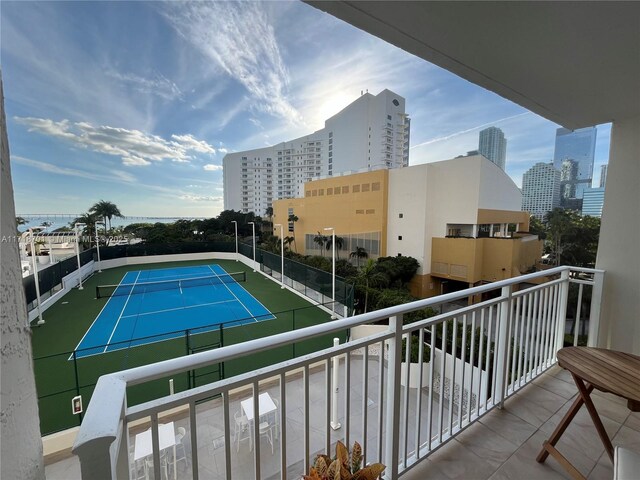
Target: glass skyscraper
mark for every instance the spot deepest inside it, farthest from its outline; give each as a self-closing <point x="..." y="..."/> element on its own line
<point x="493" y="145"/>
<point x="579" y="146"/>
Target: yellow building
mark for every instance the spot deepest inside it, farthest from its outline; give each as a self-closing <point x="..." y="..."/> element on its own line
<point x="459" y="218"/>
<point x="355" y="205"/>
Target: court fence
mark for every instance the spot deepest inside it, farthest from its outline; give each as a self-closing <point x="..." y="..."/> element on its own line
<point x="62" y="376"/>
<point x="311" y="282"/>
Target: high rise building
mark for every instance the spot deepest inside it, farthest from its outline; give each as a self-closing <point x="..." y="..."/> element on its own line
<point x="578" y="145"/>
<point x="603" y="175"/>
<point x="493" y="146"/>
<point x="540" y="189"/>
<point x="593" y="201"/>
<point x="369" y="134"/>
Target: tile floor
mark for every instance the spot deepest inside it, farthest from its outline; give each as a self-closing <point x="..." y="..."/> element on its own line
<point x="502" y="445"/>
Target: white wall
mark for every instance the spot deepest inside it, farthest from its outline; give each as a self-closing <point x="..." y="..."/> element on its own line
<point x="432" y="195"/>
<point x="21" y="447"/>
<point x="408" y="196"/>
<point x="620" y="240"/>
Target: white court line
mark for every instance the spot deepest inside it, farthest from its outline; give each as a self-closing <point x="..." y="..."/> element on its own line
<point x="177" y="308"/>
<point x="253" y="296"/>
<point x="120" y="316"/>
<point x="96" y="319"/>
<point x="234" y="295"/>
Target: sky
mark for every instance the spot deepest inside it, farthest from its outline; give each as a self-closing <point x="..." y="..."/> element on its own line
<point x="138" y="102"/>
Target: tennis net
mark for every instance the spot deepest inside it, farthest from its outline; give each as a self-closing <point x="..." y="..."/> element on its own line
<point x="103" y="291"/>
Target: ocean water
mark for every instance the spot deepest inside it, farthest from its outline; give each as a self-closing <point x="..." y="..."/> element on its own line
<point x="58" y="221"/>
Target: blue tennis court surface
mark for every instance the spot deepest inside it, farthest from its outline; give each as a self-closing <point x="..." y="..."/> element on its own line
<point x="154" y="303"/>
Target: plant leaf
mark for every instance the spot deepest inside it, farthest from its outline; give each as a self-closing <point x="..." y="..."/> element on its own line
<point x="370" y="472"/>
<point x="356" y="457"/>
<point x="342" y="454"/>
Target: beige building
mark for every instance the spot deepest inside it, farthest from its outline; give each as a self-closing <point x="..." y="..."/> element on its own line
<point x="459" y="218"/>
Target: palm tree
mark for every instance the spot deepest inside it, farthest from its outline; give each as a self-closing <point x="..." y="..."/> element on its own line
<point x="106" y="210"/>
<point x="358" y="253"/>
<point x="292" y="223"/>
<point x="370" y="277"/>
<point x="320" y="240"/>
<point x="339" y="244"/>
<point x="89" y="220"/>
<point x="287" y="241"/>
<point x="21" y="221"/>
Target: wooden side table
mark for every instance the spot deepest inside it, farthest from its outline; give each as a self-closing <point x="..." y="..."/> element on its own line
<point x="605" y="370"/>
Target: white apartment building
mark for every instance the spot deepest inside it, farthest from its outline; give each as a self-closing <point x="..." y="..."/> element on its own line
<point x="369" y="134"/>
<point x="540" y="189"/>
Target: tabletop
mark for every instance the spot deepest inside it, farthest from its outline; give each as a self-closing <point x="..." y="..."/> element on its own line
<point x="607" y="370"/>
<point x="265" y="405"/>
<point x="144" y="447"/>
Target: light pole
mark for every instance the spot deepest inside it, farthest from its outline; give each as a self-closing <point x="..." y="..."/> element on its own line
<point x="80" y="287"/>
<point x="281" y="253"/>
<point x="333" y="265"/>
<point x="253" y="229"/>
<point x="98" y="245"/>
<point x="35" y="271"/>
<point x="235" y="225"/>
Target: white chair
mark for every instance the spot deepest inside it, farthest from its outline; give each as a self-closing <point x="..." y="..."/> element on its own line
<point x="180" y="452"/>
<point x="242" y="431"/>
<point x="276" y="416"/>
<point x="266" y="430"/>
<point x="164" y="465"/>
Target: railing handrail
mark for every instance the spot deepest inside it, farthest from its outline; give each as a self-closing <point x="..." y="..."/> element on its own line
<point x="108" y="413"/>
<point x="172" y="366"/>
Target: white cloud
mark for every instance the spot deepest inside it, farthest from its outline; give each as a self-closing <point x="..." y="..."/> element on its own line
<point x="189" y="142"/>
<point x="115" y="176"/>
<point x="158" y="85"/>
<point x="134" y="147"/>
<point x="223" y="150"/>
<point x="212" y="168"/>
<point x="200" y="198"/>
<point x="239" y="37"/>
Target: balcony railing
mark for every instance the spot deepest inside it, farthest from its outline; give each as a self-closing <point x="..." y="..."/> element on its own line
<point x="478" y="355"/>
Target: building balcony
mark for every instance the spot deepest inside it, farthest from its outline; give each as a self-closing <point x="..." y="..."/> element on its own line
<point x="479" y="413"/>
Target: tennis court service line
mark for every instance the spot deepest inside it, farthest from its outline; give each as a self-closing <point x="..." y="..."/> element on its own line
<point x="120" y="316"/>
<point x="234" y="295"/>
<point x="177" y="308"/>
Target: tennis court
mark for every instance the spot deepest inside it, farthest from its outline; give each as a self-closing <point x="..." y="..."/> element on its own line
<point x="162" y="303"/>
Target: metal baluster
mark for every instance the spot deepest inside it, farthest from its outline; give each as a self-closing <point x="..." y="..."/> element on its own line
<point x="193" y="426"/>
<point x="283" y="424"/>
<point x="365" y="399"/>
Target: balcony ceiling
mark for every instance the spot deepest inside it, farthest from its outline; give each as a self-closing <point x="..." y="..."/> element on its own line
<point x="574" y="63"/>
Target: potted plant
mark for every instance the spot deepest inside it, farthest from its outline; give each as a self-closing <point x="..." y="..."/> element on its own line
<point x="414" y="366"/>
<point x="344" y="466"/>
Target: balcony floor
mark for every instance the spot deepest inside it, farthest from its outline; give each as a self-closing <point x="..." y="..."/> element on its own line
<point x="504" y="444"/>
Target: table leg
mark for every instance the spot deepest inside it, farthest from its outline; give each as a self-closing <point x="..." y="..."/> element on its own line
<point x="602" y="433"/>
<point x="549" y="445"/>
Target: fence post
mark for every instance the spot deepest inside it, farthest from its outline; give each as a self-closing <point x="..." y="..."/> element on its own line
<point x="75" y="369"/>
<point x="596" y="305"/>
<point x="392" y="441"/>
<point x="503" y="343"/>
<point x="562" y="310"/>
<point x="188" y="351"/>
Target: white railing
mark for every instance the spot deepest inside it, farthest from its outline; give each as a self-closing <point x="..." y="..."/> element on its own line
<point x="479" y="354"/>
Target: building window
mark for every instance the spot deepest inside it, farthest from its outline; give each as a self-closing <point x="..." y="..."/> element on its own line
<point x="355" y="189"/>
<point x="375" y="187"/>
<point x="399" y="237"/>
<point x="370" y="211"/>
<point x="345" y="189"/>
<point x="400" y="215"/>
<point x="388" y="117"/>
<point x="359" y="212"/>
<point x="365" y="187"/>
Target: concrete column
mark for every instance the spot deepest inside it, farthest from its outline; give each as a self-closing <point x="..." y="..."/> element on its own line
<point x="620" y="240"/>
<point x="21" y="447"/>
